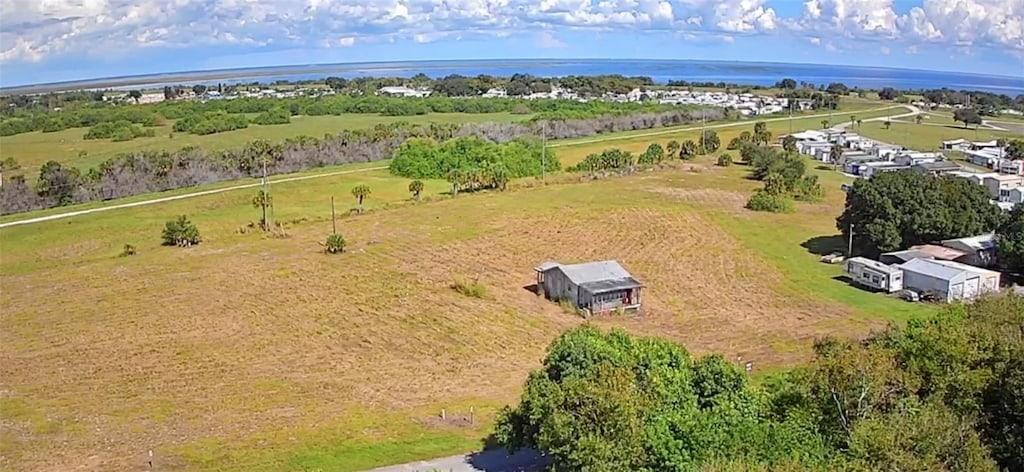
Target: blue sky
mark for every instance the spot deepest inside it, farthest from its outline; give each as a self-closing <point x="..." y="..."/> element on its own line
<point x="57" y="40"/>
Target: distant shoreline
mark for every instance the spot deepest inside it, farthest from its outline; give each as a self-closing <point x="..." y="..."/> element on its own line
<point x="720" y="71"/>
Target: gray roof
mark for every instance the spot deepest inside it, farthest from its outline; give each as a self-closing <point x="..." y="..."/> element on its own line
<point x="932" y="269"/>
<point x="888" y="269"/>
<point x="595" y="277"/>
<point x="908" y="255"/>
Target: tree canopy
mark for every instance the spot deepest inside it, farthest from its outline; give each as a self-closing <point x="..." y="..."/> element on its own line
<point x="895" y="210"/>
<point x="1010" y="240"/>
<point x="943" y="393"/>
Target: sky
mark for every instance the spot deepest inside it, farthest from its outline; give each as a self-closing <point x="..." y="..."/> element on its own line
<point x="45" y="41"/>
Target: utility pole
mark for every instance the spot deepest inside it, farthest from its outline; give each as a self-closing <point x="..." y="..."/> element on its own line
<point x="264" y="200"/>
<point x="849" y="247"/>
<point x="334" y="220"/>
<point x="544" y="153"/>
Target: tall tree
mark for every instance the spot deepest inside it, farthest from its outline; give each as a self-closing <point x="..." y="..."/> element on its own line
<point x="262" y="201"/>
<point x="1010" y="241"/>
<point x="416" y="187"/>
<point x="709" y="141"/>
<point x="673" y="149"/>
<point x="361" y="192"/>
<point x="135" y="95"/>
<point x="835" y="155"/>
<point x="789" y="144"/>
<point x="968" y="116"/>
<point x="895" y="210"/>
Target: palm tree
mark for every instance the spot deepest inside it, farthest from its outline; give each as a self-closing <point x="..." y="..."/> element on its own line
<point x="853" y="119"/>
<point x="789" y="144"/>
<point x="672" y="147"/>
<point x="835" y="154"/>
<point x="416" y="186"/>
<point x="262" y="200"/>
<point x="859" y="122"/>
<point x="887" y="124"/>
<point x="361" y="191"/>
<point x="824" y="124"/>
<point x="918" y="119"/>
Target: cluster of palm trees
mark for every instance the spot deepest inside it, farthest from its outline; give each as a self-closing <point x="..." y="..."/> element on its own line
<point x="493" y="175"/>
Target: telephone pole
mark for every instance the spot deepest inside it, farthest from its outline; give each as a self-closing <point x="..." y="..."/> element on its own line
<point x="849" y="247"/>
<point x="265" y="198"/>
<point x="544" y="153"/>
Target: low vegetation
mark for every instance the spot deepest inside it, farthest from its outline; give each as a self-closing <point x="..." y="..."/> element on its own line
<point x="472" y="288"/>
<point x="335" y="244"/>
<point x="153" y="171"/>
<point x="943" y="393"/>
<point x="180" y="232"/>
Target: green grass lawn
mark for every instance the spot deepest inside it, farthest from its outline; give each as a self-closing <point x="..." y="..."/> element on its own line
<point x="926" y="137"/>
<point x="32" y="150"/>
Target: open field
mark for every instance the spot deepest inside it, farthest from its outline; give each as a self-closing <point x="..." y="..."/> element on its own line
<point x="32" y="150"/>
<point x="254" y="353"/>
<point x="927" y="137"/>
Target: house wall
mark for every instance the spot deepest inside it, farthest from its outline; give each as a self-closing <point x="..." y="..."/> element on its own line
<point x="867" y="276"/>
<point x="947" y="290"/>
<point x="608" y="301"/>
<point x="558" y="287"/>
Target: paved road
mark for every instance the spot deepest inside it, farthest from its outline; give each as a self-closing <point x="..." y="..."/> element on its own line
<point x="728" y="125"/>
<point x="180" y="197"/>
<point x="494" y="460"/>
<point x="70" y="214"/>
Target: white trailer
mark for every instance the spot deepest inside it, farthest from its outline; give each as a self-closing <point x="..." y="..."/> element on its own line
<point x="874" y="274"/>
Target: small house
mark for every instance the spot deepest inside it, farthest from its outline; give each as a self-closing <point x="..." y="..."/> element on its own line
<point x="874" y="274"/>
<point x="594" y="286"/>
<point x="996" y="184"/>
<point x="956" y="145"/>
<point x="948" y="280"/>
<point x="979" y="251"/>
<point x="936" y="168"/>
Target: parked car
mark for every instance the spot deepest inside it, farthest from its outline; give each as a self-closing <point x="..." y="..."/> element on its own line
<point x="833" y="258"/>
<point x="908" y="295"/>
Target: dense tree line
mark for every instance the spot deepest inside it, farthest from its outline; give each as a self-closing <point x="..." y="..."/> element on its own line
<point x="118" y="131"/>
<point x="49" y="121"/>
<point x="896" y="210"/>
<point x="153" y="171"/>
<point x="469" y="156"/>
<point x="944" y="393"/>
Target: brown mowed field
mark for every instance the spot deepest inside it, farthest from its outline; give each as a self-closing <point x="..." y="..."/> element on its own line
<point x="247" y="342"/>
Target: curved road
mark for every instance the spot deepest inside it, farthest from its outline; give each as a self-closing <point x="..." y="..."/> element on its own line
<point x="57" y="216"/>
<point x="180" y="197"/>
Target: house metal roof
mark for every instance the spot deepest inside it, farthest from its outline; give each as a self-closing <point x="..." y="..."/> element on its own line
<point x="885" y="268"/>
<point x="595" y="277"/>
<point x="605" y="286"/>
<point x="932" y="269"/>
<point x="908" y="255"/>
<point x="966" y="267"/>
<point x="939" y="252"/>
<point x="979" y="243"/>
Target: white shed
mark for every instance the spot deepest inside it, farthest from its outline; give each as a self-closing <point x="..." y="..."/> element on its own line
<point x="947" y="279"/>
<point x="874" y="274"/>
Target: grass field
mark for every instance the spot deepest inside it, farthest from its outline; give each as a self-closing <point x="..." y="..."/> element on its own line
<point x="925" y="137"/>
<point x="32" y="150"/>
<point x="249" y="352"/>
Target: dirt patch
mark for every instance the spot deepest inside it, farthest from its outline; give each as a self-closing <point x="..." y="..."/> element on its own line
<point x="723" y="199"/>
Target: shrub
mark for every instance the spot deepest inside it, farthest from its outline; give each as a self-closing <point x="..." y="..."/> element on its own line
<point x="277" y="116"/>
<point x="128" y="250"/>
<point x="725" y="160"/>
<point x="335" y="244"/>
<point x="521" y="109"/>
<point x="180" y="232"/>
<point x="470" y="288"/>
<point x="764" y="201"/>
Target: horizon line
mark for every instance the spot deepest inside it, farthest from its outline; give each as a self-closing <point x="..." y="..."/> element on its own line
<point x="85" y="82"/>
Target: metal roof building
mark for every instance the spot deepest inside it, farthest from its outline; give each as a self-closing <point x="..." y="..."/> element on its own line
<point x="595" y="286"/>
<point x="947" y="279"/>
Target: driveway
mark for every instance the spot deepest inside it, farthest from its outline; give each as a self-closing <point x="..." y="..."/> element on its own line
<point x="493" y="460"/>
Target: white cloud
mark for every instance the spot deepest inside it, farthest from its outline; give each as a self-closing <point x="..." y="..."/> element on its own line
<point x="40" y="30"/>
<point x="830" y="47"/>
<point x="885" y="50"/>
<point x="548" y="41"/>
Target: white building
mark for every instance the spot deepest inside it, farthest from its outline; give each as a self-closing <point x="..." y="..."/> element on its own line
<point x="403" y="91"/>
<point x="948" y="280"/>
<point x="874" y="274"/>
<point x="1015" y="167"/>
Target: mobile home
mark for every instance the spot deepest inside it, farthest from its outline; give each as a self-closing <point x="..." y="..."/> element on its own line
<point x="874" y="274"/>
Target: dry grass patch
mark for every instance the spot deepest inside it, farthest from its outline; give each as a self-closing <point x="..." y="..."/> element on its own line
<point x="245" y="337"/>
